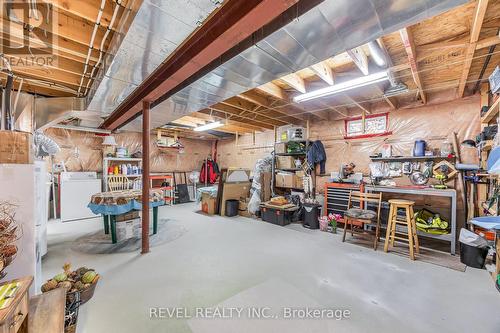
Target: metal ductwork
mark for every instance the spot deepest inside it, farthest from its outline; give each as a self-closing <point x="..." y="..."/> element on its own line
<point x="52" y="111"/>
<point x="329" y="29"/>
<point x="142" y="44"/>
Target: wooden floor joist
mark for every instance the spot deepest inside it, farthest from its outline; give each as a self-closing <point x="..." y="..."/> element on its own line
<point x="477" y="23"/>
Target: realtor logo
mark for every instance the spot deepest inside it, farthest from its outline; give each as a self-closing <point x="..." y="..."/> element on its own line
<point x="29" y="33"/>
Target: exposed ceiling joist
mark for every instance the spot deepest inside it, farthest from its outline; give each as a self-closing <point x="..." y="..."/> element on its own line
<point x="295" y="81"/>
<point x="85" y="9"/>
<point x="63" y="47"/>
<point x="276" y="92"/>
<point x="360" y="59"/>
<point x="234" y="117"/>
<point x="213" y="117"/>
<point x="477" y="23"/>
<point x="248" y="106"/>
<point x="324" y="72"/>
<point x="409" y="44"/>
<point x="68" y="28"/>
<point x="238" y="112"/>
<point x="273" y="90"/>
<point x="264" y="102"/>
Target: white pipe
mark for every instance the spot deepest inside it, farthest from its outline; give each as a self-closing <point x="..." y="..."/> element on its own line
<point x="91" y="45"/>
<point x="17" y="95"/>
<point x="101" y="53"/>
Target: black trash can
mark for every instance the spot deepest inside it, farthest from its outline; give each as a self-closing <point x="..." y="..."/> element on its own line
<point x="473" y="256"/>
<point x="232" y="206"/>
<point x="311" y="215"/>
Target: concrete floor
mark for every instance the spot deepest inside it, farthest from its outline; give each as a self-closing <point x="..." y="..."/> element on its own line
<point x="242" y="263"/>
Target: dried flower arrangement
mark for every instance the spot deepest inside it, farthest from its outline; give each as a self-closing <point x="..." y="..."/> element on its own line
<point x="10" y="232"/>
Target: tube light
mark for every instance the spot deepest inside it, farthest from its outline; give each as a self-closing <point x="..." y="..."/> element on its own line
<point x="344" y="86"/>
<point x="209" y="126"/>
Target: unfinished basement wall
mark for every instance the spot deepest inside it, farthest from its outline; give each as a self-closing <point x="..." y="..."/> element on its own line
<point x="82" y="151"/>
<point x="434" y="123"/>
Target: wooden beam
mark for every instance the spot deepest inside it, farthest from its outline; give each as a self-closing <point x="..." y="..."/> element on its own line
<point x="264" y="102"/>
<point x="324" y="72"/>
<point x="68" y="27"/>
<point x="59" y="64"/>
<point x="487" y="42"/>
<point x="240" y="118"/>
<point x="85" y="9"/>
<point x="409" y="44"/>
<point x="208" y="117"/>
<point x="295" y="81"/>
<point x="250" y="107"/>
<point x="273" y="90"/>
<point x="63" y="47"/>
<point x="477" y="23"/>
<point x="257" y="117"/>
<point x="356" y="103"/>
<point x="360" y="59"/>
<point x="40" y="88"/>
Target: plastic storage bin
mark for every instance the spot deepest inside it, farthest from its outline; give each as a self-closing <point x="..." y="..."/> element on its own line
<point x="276" y="216"/>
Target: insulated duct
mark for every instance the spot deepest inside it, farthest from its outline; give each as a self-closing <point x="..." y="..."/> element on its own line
<point x="329" y="29"/>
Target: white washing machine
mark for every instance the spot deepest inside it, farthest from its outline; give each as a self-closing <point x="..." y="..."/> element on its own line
<point x="76" y="189"/>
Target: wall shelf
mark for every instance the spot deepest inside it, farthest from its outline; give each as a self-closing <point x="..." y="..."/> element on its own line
<point x="410" y="158"/>
<point x="491" y="113"/>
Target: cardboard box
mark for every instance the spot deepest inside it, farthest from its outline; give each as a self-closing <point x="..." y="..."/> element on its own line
<point x="285" y="180"/>
<point x="285" y="162"/>
<point x="233" y="191"/>
<point x="280" y="148"/>
<point x="16" y="147"/>
<point x="207" y="204"/>
<point x="134" y="214"/>
<point x="126" y="229"/>
<point x="265" y="193"/>
<point x="299" y="183"/>
<point x="243" y="208"/>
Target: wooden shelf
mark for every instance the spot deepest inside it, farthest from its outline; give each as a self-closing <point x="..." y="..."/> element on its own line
<point x="123" y="159"/>
<point x="486" y="145"/>
<point x="293" y="169"/>
<point x="491" y="113"/>
<point x="410" y="158"/>
<point x="291" y="154"/>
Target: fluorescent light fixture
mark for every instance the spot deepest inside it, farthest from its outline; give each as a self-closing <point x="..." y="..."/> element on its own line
<point x="344" y="86"/>
<point x="209" y="126"/>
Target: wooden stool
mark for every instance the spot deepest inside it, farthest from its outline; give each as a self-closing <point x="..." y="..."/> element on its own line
<point x="409" y="221"/>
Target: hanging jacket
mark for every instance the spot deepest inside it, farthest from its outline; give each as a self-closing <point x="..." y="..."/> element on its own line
<point x="316" y="154"/>
<point x="210" y="175"/>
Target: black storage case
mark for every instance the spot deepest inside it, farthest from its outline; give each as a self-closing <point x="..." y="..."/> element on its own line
<point x="276" y="216"/>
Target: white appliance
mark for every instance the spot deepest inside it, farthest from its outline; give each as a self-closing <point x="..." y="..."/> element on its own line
<point x="17" y="187"/>
<point x="76" y="189"/>
<point x="42" y="191"/>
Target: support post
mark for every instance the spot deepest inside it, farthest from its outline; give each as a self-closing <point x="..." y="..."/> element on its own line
<point x="145" y="175"/>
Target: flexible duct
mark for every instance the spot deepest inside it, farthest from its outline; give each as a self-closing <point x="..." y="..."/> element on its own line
<point x="377" y="54"/>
